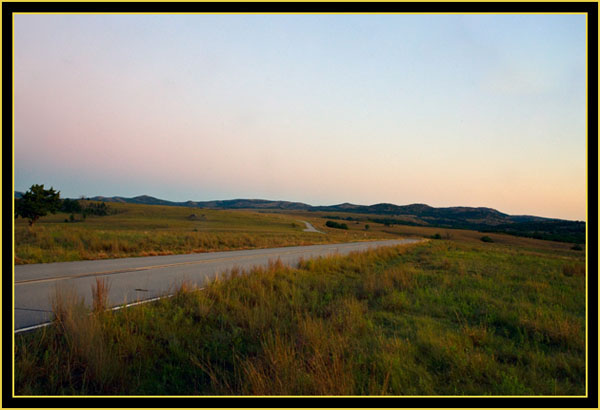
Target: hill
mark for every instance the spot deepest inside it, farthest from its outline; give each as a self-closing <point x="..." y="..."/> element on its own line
<point x="461" y="217"/>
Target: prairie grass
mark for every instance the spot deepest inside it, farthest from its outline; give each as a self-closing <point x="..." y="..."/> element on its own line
<point x="459" y="235"/>
<point x="438" y="318"/>
<point x="150" y="230"/>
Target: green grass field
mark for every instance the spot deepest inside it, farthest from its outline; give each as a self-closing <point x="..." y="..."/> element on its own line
<point x="144" y="230"/>
<point x="445" y="317"/>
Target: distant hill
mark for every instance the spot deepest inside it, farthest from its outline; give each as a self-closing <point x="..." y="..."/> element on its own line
<point x="461" y="217"/>
<point x="224" y="204"/>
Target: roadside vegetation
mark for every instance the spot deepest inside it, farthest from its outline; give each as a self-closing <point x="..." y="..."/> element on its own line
<point x="444" y="317"/>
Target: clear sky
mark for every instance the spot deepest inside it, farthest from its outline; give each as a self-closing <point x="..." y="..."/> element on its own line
<point x="447" y="110"/>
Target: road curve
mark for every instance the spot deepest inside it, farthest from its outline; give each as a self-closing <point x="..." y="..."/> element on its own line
<point x="310" y="228"/>
<point x="135" y="279"/>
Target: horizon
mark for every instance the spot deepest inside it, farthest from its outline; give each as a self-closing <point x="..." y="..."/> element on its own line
<point x="301" y="202"/>
<point x="475" y="110"/>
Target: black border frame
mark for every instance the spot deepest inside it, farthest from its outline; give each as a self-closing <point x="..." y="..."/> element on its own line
<point x="591" y="401"/>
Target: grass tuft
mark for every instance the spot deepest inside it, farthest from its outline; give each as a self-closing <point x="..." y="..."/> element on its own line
<point x="100" y="289"/>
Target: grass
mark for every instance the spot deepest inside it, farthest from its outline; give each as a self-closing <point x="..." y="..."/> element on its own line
<point x="147" y="230"/>
<point x="438" y="318"/>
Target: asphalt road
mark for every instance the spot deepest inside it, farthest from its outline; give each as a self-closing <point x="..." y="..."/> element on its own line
<point x="310" y="227"/>
<point x="142" y="278"/>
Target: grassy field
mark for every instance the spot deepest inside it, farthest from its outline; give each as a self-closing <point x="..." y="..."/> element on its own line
<point x="144" y="230"/>
<point x="462" y="235"/>
<point x="445" y="317"/>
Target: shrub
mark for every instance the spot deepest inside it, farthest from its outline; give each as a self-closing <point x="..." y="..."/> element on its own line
<point x="336" y="225"/>
<point x="486" y="239"/>
<point x="577" y="247"/>
<point x="436" y="236"/>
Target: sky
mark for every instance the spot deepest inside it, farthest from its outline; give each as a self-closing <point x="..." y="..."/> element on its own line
<point x="447" y="110"/>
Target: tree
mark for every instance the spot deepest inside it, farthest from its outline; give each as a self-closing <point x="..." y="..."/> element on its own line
<point x="37" y="202"/>
<point x="70" y="206"/>
<point x="95" y="208"/>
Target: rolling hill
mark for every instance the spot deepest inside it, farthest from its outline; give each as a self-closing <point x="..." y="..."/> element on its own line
<point x="462" y="217"/>
<point x="481" y="219"/>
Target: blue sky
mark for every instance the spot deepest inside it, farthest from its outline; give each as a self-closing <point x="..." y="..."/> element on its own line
<point x="473" y="110"/>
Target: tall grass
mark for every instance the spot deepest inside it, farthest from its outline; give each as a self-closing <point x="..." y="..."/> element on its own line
<point x="439" y="318"/>
<point x="100" y="289"/>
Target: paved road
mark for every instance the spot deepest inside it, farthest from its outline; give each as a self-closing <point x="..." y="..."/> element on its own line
<point x="310" y="228"/>
<point x="134" y="279"/>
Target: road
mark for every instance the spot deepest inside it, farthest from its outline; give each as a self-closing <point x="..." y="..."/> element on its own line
<point x="142" y="278"/>
<point x="310" y="227"/>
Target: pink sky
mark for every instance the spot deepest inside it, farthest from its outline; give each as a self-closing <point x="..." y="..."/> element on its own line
<point x="188" y="107"/>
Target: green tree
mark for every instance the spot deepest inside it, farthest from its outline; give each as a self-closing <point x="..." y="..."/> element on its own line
<point x="95" y="208"/>
<point x="37" y="202"/>
<point x="70" y="206"/>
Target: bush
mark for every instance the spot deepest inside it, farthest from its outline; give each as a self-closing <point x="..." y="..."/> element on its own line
<point x="436" y="236"/>
<point x="336" y="225"/>
<point x="577" y="247"/>
<point x="486" y="239"/>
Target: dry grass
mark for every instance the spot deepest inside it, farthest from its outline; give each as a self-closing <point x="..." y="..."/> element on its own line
<point x="458" y="235"/>
<point x="84" y="333"/>
<point x="100" y="290"/>
<point x="574" y="269"/>
<point x="149" y="230"/>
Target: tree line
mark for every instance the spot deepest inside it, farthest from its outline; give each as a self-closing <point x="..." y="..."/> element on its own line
<point x="38" y="202"/>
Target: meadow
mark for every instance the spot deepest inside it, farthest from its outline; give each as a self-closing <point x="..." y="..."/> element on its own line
<point x="147" y="230"/>
<point x="443" y="317"/>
